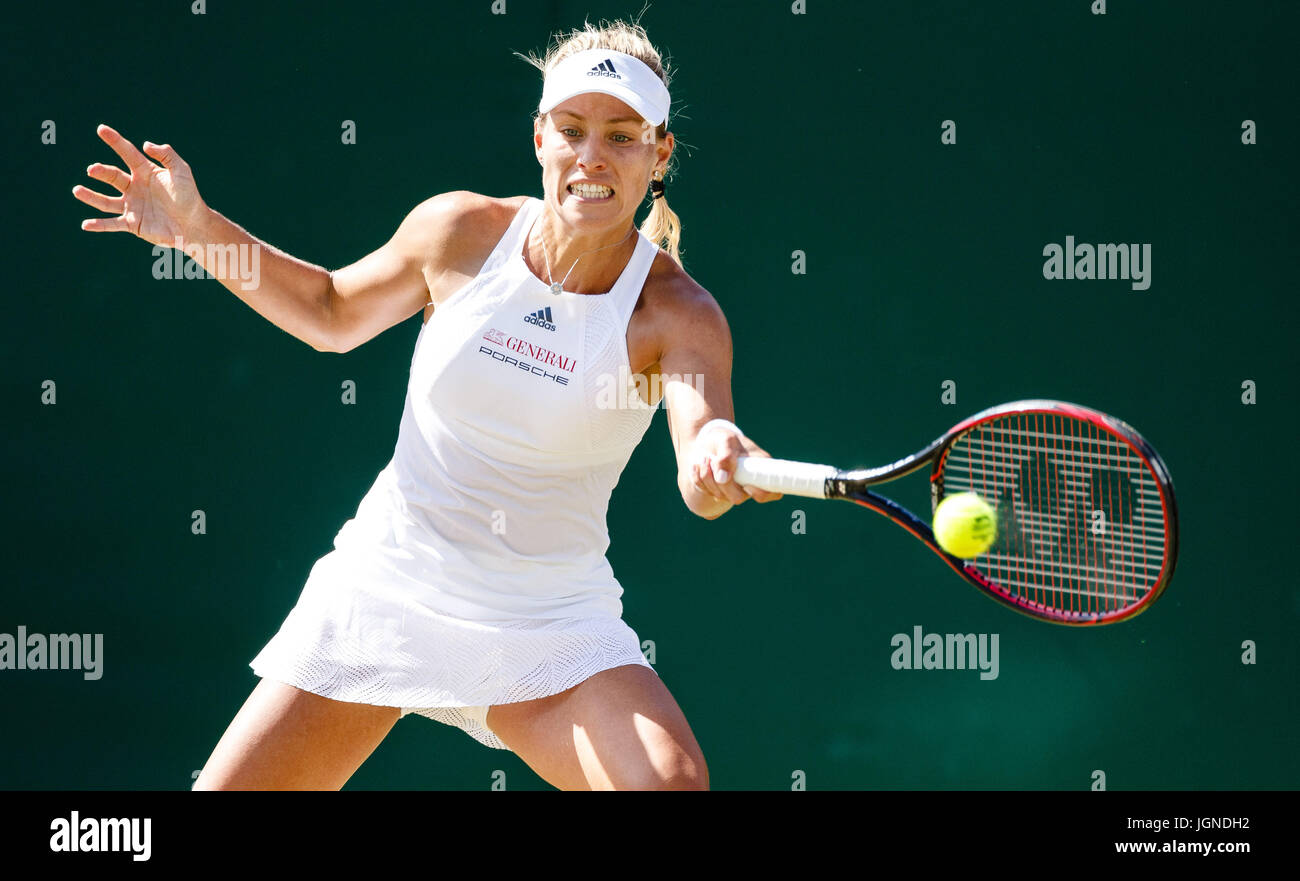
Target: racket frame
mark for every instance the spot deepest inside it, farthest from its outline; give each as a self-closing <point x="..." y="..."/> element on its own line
<point x="852" y="486"/>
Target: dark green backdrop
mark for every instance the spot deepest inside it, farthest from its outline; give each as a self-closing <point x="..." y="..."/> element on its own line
<point x="816" y="132"/>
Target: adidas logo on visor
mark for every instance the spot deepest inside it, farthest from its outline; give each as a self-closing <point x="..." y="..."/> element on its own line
<point x="605" y="68"/>
<point x="541" y="318"/>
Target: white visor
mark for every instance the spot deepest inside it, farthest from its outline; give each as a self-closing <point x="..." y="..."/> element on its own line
<point x="613" y="73"/>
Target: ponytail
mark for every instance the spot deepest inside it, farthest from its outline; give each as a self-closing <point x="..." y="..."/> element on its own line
<point x="663" y="227"/>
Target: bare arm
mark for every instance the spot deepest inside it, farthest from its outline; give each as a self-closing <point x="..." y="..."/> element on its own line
<point x="292" y="294"/>
<point x="416" y="267"/>
<point x="696" y="368"/>
<point x="330" y="311"/>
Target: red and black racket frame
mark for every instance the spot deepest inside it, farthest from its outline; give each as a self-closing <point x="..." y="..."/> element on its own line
<point x="852" y="486"/>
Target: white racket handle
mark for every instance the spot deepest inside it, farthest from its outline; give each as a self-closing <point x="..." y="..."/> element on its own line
<point x="784" y="476"/>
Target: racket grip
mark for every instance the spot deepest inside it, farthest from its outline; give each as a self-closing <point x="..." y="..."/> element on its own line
<point x="784" y="476"/>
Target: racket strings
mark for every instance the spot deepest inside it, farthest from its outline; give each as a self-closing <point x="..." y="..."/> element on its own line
<point x="1081" y="527"/>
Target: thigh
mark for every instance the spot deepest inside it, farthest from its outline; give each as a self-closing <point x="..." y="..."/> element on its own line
<point x="618" y="729"/>
<point x="287" y="738"/>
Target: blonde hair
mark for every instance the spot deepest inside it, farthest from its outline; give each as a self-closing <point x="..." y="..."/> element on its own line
<point x="662" y="226"/>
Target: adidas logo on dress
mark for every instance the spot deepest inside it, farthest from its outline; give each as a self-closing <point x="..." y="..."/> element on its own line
<point x="541" y="318"/>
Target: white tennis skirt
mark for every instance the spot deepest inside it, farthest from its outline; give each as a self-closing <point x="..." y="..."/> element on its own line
<point x="352" y="640"/>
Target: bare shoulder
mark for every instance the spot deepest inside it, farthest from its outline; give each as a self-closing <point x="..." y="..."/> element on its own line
<point x="451" y="235"/>
<point x="457" y="225"/>
<point x="680" y="310"/>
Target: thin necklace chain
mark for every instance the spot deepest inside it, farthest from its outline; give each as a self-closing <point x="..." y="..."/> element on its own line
<point x="556" y="288"/>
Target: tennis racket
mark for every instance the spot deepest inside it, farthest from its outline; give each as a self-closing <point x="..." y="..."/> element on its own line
<point x="1087" y="526"/>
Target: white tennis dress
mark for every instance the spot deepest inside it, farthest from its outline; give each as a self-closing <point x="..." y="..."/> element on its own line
<point x="474" y="571"/>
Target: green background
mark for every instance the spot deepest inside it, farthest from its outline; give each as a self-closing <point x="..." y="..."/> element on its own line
<point x="817" y="132"/>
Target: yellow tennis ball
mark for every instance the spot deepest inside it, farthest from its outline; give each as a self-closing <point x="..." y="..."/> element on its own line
<point x="965" y="525"/>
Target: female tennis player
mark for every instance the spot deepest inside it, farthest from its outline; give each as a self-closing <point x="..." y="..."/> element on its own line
<point x="472" y="585"/>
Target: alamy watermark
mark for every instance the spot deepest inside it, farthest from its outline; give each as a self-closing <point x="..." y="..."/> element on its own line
<point x="56" y="651"/>
<point x="629" y="391"/>
<point x="78" y="834"/>
<point x="1105" y="261"/>
<point x="229" y="261"/>
<point x="945" y="651"/>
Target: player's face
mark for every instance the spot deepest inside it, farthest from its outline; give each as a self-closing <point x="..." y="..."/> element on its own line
<point x="597" y="140"/>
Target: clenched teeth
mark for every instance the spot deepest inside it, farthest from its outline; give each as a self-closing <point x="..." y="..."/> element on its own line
<point x="590" y="191"/>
